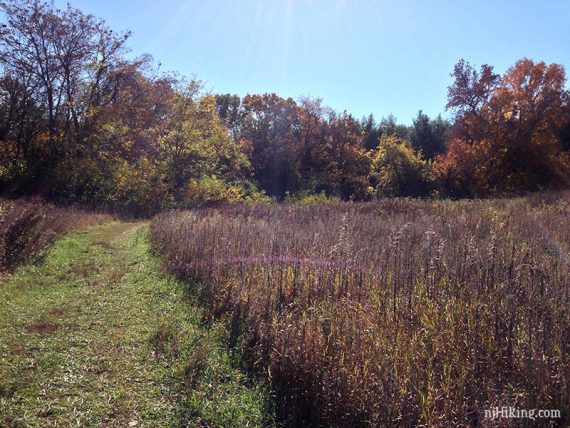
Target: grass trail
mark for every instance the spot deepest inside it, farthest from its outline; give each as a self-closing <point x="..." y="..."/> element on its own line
<point x="96" y="334"/>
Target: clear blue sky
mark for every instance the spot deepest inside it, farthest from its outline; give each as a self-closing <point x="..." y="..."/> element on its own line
<point x="363" y="56"/>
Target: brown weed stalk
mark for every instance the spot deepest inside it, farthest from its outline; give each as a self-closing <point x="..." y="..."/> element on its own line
<point x="395" y="313"/>
<point x="28" y="227"/>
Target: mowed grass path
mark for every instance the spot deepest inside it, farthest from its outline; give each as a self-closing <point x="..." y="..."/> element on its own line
<point x="96" y="334"/>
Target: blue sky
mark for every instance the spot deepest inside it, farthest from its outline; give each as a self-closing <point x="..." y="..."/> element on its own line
<point x="363" y="56"/>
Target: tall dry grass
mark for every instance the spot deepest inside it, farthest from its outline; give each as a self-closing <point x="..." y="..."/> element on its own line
<point x="28" y="227"/>
<point x="396" y="313"/>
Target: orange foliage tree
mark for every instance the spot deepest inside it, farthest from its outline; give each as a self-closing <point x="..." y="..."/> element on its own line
<point x="507" y="135"/>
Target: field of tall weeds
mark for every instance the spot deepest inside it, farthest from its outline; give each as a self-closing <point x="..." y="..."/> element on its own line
<point x="393" y="313"/>
<point x="28" y="227"/>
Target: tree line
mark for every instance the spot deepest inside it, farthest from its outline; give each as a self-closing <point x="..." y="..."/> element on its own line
<point x="81" y="122"/>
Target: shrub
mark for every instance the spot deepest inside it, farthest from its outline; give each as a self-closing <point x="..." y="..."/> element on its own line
<point x="211" y="190"/>
<point x="313" y="198"/>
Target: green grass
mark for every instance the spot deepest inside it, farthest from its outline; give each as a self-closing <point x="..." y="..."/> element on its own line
<point x="96" y="334"/>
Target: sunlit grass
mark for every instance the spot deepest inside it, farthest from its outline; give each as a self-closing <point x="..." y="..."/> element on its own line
<point x="96" y="335"/>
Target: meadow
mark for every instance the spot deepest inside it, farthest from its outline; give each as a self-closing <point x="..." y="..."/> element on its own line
<point x="399" y="312"/>
<point x="275" y="260"/>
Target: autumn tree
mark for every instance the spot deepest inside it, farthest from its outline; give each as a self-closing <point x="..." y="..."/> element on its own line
<point x="81" y="122"/>
<point x="20" y="121"/>
<point x="84" y="124"/>
<point x="339" y="163"/>
<point x="230" y="111"/>
<point x="270" y="133"/>
<point x="509" y="126"/>
<point x="195" y="143"/>
<point x="457" y="170"/>
<point x="62" y="58"/>
<point x="398" y="170"/>
<point x="526" y="114"/>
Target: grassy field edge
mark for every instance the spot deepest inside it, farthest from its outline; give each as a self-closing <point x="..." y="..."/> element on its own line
<point x="96" y="333"/>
